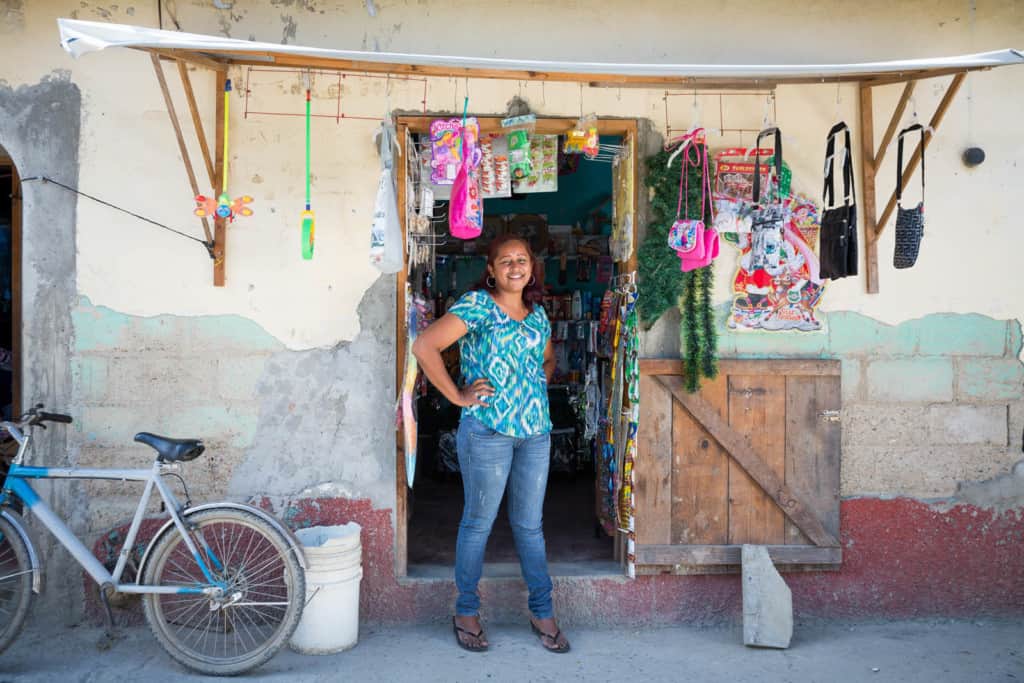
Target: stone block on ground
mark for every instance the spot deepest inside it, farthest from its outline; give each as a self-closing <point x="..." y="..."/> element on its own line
<point x="767" y="601"/>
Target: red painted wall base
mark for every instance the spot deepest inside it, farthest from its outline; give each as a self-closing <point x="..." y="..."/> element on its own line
<point x="901" y="558"/>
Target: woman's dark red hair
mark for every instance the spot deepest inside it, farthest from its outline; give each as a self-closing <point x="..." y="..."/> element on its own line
<point x="532" y="293"/>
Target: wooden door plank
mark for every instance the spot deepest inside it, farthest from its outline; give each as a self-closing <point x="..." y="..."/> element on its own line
<point x="654" y="464"/>
<point x="705" y="555"/>
<point x="813" y="450"/>
<point x="743" y="451"/>
<point x="401" y="487"/>
<point x="700" y="472"/>
<point x="727" y="366"/>
<point x="757" y="407"/>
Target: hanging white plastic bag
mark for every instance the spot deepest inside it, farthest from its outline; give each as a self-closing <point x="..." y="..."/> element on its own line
<point x="386" y="233"/>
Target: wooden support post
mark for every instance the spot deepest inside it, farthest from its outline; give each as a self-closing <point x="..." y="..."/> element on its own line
<point x="402" y="490"/>
<point x="940" y="113"/>
<point x="867" y="184"/>
<point x="16" y="252"/>
<point x="894" y="122"/>
<point x="220" y="227"/>
<point x="181" y="139"/>
<point x="197" y="121"/>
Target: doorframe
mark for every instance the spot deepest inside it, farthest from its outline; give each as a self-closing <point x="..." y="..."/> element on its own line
<point x="623" y="127"/>
<point x="16" y="224"/>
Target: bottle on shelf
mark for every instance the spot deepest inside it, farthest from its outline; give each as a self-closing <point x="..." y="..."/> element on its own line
<point x="577" y="305"/>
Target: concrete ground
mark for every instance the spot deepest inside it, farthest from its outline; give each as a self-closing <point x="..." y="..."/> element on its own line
<point x="906" y="651"/>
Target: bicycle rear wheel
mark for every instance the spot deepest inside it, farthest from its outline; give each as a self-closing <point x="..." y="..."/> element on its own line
<point x="15" y="583"/>
<point x="265" y="590"/>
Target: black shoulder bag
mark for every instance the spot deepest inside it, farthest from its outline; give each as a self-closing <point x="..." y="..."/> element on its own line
<point x="766" y="220"/>
<point x="838" y="223"/>
<point x="909" y="222"/>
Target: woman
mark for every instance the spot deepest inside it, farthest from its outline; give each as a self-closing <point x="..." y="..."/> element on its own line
<point x="504" y="434"/>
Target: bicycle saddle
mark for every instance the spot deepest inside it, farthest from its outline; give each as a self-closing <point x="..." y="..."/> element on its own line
<point x="172" y="450"/>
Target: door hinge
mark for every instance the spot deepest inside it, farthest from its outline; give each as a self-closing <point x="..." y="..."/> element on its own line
<point x="829" y="415"/>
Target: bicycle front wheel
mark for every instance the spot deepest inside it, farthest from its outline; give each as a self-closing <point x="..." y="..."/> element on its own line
<point x="15" y="583"/>
<point x="264" y="589"/>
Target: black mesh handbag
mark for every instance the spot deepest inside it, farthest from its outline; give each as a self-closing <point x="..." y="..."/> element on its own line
<point x="909" y="222"/>
<point x="838" y="223"/>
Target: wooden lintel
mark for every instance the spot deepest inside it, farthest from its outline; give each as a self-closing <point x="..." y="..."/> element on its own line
<point x="742" y="450"/>
<point x="221" y="59"/>
<point x="544" y="125"/>
<point x="689" y="85"/>
<point x="894" y="122"/>
<point x="190" y="57"/>
<point x="704" y="555"/>
<point x="197" y="121"/>
<point x="219" y="224"/>
<point x="867" y="187"/>
<point x="159" y="69"/>
<point x="743" y="366"/>
<point x="919" y="75"/>
<point x="915" y="159"/>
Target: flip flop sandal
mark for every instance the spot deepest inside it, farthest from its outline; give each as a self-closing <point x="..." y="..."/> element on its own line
<point x="466" y="646"/>
<point x="553" y="638"/>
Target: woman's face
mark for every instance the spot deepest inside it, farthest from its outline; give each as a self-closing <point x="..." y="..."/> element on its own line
<point x="512" y="267"/>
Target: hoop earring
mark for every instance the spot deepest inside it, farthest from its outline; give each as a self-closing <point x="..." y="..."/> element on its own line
<point x="489" y="282"/>
<point x="533" y="281"/>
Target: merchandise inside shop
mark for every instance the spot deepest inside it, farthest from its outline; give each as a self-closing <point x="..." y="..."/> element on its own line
<point x="567" y="204"/>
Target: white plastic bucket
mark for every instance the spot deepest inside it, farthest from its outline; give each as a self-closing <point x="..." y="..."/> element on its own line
<point x="330" y="620"/>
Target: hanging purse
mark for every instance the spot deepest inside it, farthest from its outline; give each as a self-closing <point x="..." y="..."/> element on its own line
<point x="696" y="243"/>
<point x="839" y="223"/>
<point x="766" y="220"/>
<point x="909" y="222"/>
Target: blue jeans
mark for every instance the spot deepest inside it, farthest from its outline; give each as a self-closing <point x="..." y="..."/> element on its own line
<point x="489" y="461"/>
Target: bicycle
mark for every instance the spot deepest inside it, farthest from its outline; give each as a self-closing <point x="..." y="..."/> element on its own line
<point x="222" y="584"/>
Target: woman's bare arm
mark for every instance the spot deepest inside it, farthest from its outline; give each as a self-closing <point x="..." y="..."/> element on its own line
<point x="549" y="361"/>
<point x="428" y="347"/>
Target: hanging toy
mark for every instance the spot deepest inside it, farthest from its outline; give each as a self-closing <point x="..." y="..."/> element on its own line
<point x="223" y="206"/>
<point x="308" y="217"/>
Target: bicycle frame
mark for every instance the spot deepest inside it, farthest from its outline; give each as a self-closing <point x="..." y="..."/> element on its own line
<point x="17" y="484"/>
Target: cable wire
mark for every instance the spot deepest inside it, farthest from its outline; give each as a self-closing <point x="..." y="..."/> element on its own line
<point x="208" y="245"/>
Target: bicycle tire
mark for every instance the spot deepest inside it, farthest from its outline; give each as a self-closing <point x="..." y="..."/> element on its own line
<point x="258" y="562"/>
<point x="16" y="591"/>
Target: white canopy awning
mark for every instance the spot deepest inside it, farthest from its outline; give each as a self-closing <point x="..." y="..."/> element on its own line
<point x="81" y="37"/>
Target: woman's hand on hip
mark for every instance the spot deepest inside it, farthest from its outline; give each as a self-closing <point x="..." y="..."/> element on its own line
<point x="476" y="394"/>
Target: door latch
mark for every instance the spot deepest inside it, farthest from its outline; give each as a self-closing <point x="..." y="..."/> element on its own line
<point x="829" y="415"/>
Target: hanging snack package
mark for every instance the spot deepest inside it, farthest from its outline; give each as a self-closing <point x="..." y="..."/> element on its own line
<point x="583" y="139"/>
<point x="445" y="150"/>
<point x="517" y="130"/>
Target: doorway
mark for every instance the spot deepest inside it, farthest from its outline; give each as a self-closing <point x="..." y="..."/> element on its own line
<point x="569" y="222"/>
<point x="10" y="281"/>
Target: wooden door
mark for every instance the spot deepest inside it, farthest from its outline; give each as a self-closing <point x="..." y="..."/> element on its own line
<point x="753" y="457"/>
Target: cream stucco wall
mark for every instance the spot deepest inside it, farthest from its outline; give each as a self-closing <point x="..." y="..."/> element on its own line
<point x="969" y="260"/>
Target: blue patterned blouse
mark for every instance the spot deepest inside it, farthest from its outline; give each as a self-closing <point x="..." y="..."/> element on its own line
<point x="509" y="354"/>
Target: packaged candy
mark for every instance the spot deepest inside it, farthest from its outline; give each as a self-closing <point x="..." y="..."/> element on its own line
<point x="583" y="139"/>
<point x="519" y="163"/>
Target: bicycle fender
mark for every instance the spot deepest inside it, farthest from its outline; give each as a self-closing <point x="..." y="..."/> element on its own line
<point x="293" y="541"/>
<point x="38" y="578"/>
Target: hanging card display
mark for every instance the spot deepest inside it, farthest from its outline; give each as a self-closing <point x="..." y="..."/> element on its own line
<point x="543" y="176"/>
<point x="781" y="293"/>
<point x="446" y="148"/>
<point x="495" y="172"/>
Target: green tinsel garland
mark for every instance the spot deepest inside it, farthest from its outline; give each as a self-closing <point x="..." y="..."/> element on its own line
<point x="663" y="284"/>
